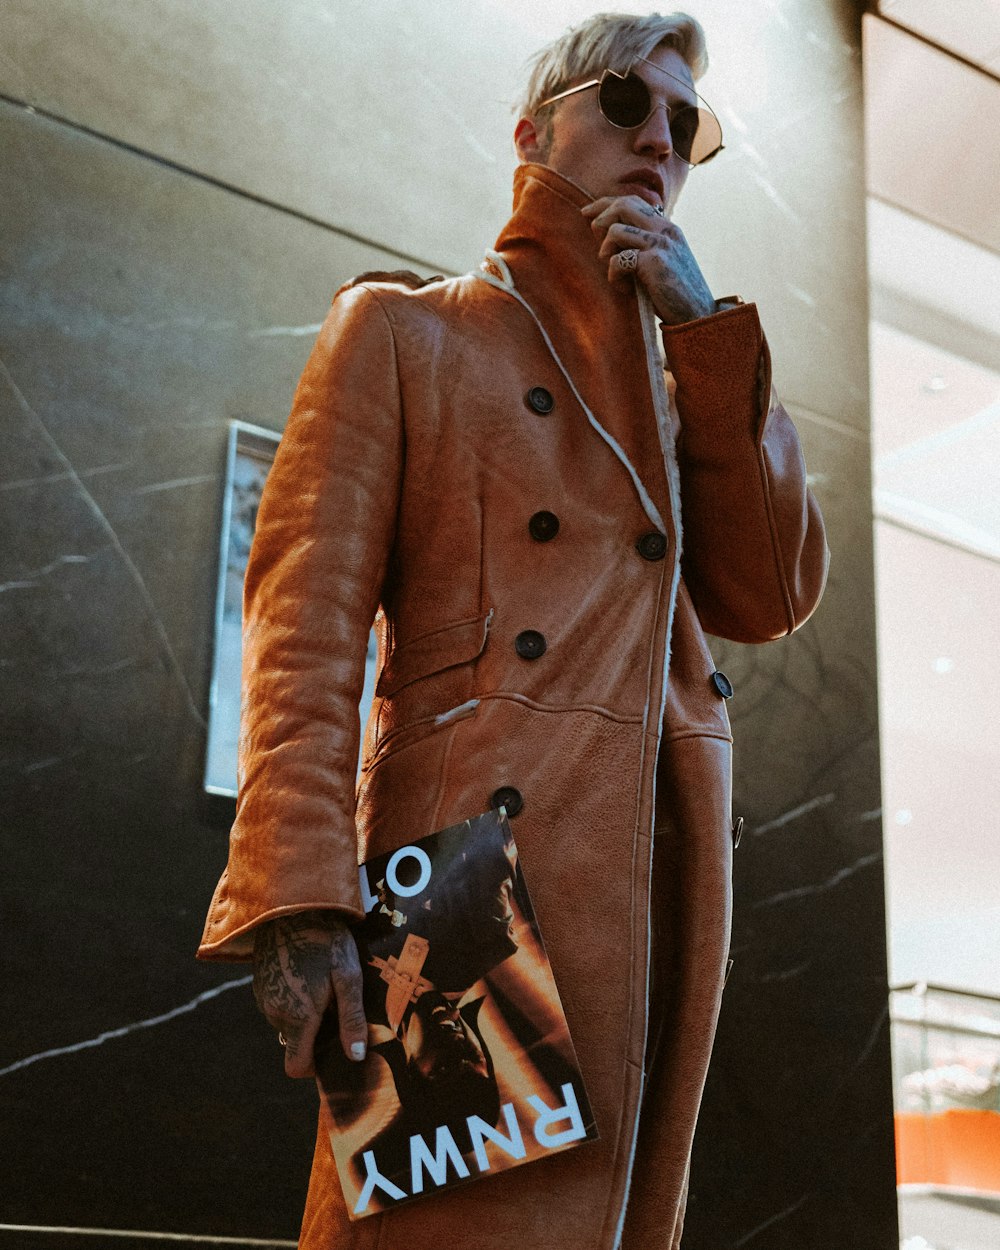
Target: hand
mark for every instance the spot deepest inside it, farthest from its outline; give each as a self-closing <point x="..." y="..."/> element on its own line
<point x="302" y="964"/>
<point x="666" y="265"/>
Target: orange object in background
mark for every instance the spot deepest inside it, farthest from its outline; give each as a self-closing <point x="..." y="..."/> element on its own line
<point x="958" y="1147"/>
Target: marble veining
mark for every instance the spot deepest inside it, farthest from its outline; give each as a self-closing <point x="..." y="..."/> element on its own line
<point x="109" y="529"/>
<point x="273" y="332"/>
<point x="175" y="482"/>
<point x="786" y="974"/>
<point x="454" y="112"/>
<point x="44" y="479"/>
<point x="796" y="292"/>
<point x="98" y="670"/>
<point x="746" y="1239"/>
<point x="124" y="1030"/>
<point x="31" y="578"/>
<point x="50" y="761"/>
<point x="821" y="800"/>
<point x="777" y="199"/>
<point x="820" y="887"/>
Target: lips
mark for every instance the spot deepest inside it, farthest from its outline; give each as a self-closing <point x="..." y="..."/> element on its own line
<point x="645" y="182"/>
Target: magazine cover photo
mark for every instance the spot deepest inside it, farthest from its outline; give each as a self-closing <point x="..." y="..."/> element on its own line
<point x="470" y="1067"/>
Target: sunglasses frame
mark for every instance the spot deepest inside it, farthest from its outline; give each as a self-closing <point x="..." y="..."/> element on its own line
<point x="702" y="105"/>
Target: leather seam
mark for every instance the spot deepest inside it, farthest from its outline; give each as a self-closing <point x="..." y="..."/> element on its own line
<point x="772" y="524"/>
<point x="683" y="734"/>
<point x="514" y="697"/>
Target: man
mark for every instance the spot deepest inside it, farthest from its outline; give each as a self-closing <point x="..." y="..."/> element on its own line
<point x="493" y="464"/>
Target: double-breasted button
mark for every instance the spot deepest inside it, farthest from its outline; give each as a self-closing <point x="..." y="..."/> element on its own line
<point x="722" y="684"/>
<point x="652" y="546"/>
<point x="737" y="831"/>
<point x="543" y="526"/>
<point x="529" y="644"/>
<point x="540" y="400"/>
<point x="508" y="797"/>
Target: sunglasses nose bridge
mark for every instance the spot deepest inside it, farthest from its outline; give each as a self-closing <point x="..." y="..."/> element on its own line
<point x="646" y="131"/>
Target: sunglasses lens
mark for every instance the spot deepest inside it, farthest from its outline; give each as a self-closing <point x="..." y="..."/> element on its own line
<point x="624" y="101"/>
<point x="696" y="134"/>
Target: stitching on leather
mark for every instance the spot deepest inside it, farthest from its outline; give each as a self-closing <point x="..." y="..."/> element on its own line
<point x="442" y="629"/>
<point x="772" y="524"/>
<point x="683" y="734"/>
<point x="392" y="681"/>
<point x="391" y="744"/>
<point x="512" y="696"/>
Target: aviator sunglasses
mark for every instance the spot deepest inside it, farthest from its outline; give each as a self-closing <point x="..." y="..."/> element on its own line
<point x="626" y="102"/>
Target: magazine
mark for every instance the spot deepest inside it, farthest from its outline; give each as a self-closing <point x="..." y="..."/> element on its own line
<point x="470" y="1067"/>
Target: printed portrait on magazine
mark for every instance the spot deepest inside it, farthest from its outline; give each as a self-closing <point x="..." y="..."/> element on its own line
<point x="471" y="1069"/>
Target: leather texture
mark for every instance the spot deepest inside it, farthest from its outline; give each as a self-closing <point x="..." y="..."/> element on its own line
<point x="402" y="490"/>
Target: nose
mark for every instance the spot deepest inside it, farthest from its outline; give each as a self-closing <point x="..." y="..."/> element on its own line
<point x="654" y="133"/>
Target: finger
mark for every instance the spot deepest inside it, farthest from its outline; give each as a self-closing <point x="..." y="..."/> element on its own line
<point x="620" y="270"/>
<point x="623" y="235"/>
<point x="597" y="206"/>
<point x="630" y="209"/>
<point x="347" y="987"/>
<point x="299" y="1037"/>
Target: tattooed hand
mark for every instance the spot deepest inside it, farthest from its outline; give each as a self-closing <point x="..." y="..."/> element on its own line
<point x="303" y="963"/>
<point x="665" y="264"/>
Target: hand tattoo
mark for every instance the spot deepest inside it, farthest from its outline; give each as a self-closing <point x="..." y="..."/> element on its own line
<point x="292" y="965"/>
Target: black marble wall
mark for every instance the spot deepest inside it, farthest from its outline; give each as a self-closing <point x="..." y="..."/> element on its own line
<point x="142" y="307"/>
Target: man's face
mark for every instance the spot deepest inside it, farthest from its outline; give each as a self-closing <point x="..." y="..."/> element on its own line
<point x="438" y="1041"/>
<point x="607" y="161"/>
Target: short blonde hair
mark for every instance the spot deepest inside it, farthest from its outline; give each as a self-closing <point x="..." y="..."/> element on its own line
<point x="609" y="41"/>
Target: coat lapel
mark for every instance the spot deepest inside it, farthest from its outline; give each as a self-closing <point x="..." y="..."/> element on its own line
<point x="595" y="328"/>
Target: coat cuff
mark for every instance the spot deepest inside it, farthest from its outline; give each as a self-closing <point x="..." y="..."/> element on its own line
<point x="230" y="928"/>
<point x="719" y="364"/>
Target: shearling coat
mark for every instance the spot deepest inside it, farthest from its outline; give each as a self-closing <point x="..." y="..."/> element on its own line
<point x="430" y="427"/>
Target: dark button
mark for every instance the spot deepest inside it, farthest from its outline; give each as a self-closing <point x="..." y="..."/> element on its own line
<point x="652" y="546"/>
<point x="508" y="797"/>
<point x="737" y="831"/>
<point x="722" y="684"/>
<point x="529" y="644"/>
<point x="540" y="399"/>
<point x="543" y="526"/>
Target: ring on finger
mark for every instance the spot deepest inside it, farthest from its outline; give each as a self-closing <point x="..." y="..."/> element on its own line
<point x="628" y="260"/>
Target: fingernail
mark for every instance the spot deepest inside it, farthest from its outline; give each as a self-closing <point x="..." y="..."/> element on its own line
<point x="358" y="1050"/>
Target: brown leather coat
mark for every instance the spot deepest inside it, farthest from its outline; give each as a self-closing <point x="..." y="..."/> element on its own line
<point x="411" y="466"/>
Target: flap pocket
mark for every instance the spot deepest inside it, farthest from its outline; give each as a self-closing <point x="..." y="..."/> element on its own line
<point x="432" y="653"/>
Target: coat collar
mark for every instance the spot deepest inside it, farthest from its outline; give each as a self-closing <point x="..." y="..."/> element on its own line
<point x="595" y="327"/>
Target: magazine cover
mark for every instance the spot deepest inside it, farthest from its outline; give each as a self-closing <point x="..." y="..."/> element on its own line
<point x="470" y="1067"/>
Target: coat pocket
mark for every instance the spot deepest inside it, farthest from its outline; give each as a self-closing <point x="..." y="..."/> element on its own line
<point x="433" y="652"/>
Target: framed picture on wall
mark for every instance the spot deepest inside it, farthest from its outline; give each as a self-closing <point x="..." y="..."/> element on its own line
<point x="249" y="456"/>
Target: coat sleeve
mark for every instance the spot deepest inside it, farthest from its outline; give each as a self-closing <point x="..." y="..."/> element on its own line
<point x="321" y="547"/>
<point x="755" y="556"/>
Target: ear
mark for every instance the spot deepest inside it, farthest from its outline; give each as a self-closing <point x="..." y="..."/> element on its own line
<point x="528" y="141"/>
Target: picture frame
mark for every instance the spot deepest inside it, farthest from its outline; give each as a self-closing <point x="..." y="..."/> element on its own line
<point x="250" y="452"/>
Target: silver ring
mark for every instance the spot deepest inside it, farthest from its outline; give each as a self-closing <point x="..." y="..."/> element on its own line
<point x="282" y="1039"/>
<point x="658" y="210"/>
<point x="628" y="260"/>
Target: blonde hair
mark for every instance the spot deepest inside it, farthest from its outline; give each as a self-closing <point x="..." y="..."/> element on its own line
<point x="609" y="41"/>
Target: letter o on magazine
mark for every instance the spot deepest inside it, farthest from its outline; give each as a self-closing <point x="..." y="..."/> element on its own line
<point x="421" y="883"/>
